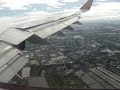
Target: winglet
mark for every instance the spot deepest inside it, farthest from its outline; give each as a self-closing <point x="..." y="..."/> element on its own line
<point x="86" y="6"/>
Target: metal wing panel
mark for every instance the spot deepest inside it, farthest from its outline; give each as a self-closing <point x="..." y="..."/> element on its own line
<point x="48" y="31"/>
<point x="15" y="36"/>
<point x="7" y="56"/>
<point x="4" y="47"/>
<point x="10" y="70"/>
<point x="56" y="26"/>
<point x="11" y="61"/>
<point x="37" y="21"/>
<point x="69" y="22"/>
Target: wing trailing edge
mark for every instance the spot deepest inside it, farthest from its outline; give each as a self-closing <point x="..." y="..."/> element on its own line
<point x="11" y="61"/>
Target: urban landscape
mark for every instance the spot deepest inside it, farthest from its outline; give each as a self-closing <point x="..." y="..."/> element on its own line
<point x="81" y="56"/>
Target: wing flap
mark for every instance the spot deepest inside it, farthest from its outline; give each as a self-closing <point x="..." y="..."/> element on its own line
<point x="15" y="36"/>
<point x="8" y="56"/>
<point x="4" y="47"/>
<point x="55" y="27"/>
<point x="11" y="61"/>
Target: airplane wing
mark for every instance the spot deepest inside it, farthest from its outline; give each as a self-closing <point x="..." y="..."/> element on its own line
<point x="14" y="32"/>
<point x="11" y="61"/>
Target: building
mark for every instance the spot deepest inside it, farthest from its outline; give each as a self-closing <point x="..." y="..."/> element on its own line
<point x="100" y="78"/>
<point x="26" y="72"/>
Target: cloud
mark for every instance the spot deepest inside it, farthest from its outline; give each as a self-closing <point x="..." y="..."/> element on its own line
<point x="70" y="1"/>
<point x="18" y="4"/>
<point x="1" y="8"/>
<point x="100" y="8"/>
<point x="103" y="10"/>
<point x="71" y="10"/>
<point x="37" y="13"/>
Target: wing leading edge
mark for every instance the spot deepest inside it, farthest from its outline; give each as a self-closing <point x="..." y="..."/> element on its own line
<point x="12" y="59"/>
